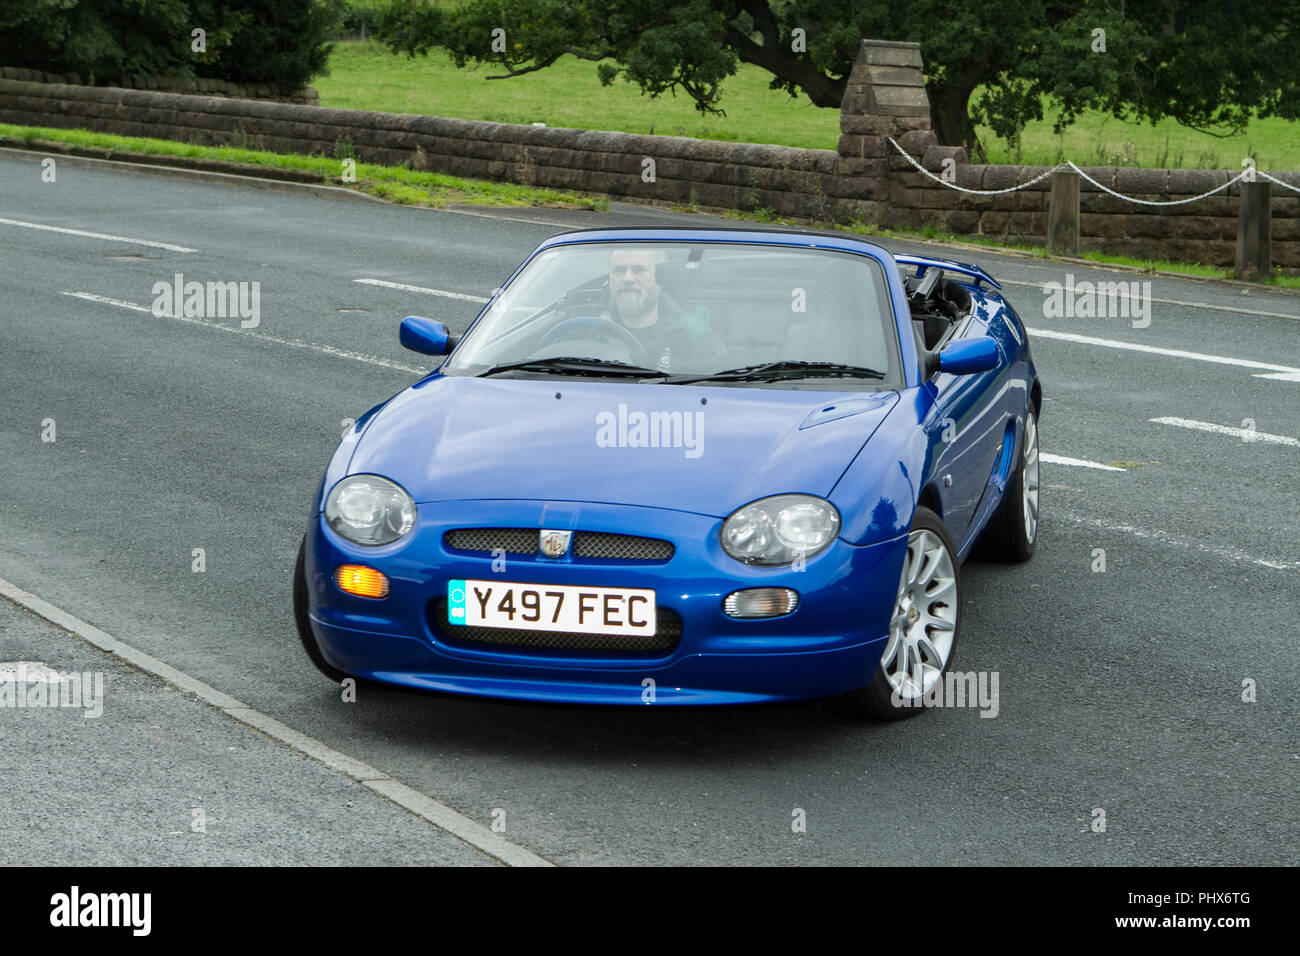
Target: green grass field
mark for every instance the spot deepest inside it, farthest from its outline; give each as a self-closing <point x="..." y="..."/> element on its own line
<point x="364" y="75"/>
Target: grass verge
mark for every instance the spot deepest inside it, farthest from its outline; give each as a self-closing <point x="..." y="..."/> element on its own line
<point x="394" y="183"/>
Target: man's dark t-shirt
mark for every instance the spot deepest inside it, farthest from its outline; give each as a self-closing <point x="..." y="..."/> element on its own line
<point x="679" y="342"/>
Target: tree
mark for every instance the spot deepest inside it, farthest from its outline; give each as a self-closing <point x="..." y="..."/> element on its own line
<point x="278" y="42"/>
<point x="1209" y="64"/>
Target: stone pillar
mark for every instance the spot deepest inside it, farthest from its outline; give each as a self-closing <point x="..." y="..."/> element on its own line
<point x="886" y="92"/>
<point x="885" y="98"/>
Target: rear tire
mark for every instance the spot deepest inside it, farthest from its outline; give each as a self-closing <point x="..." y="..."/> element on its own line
<point x="303" y="619"/>
<point x="1012" y="533"/>
<point x="923" y="630"/>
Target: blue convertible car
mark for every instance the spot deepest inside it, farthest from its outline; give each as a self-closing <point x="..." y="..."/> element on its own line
<point x="679" y="466"/>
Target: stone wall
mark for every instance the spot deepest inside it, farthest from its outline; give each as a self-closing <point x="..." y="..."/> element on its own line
<point x="176" y="84"/>
<point x="1203" y="230"/>
<point x="865" y="179"/>
<point x="790" y="182"/>
<point x="886" y="98"/>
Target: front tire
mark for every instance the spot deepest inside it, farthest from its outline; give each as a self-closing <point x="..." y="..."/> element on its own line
<point x="303" y="619"/>
<point x="1012" y="533"/>
<point x="923" y="630"/>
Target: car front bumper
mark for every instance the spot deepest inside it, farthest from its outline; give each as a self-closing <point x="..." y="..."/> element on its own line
<point x="831" y="643"/>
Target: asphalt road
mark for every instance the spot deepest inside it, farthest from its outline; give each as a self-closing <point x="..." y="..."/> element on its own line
<point x="1119" y="690"/>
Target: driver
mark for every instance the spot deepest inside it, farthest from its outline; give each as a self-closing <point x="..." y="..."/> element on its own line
<point x="676" y="341"/>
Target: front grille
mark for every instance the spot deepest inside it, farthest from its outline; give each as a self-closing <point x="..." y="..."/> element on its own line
<point x="487" y="540"/>
<point x="620" y="547"/>
<point x="668" y="635"/>
<point x="586" y="544"/>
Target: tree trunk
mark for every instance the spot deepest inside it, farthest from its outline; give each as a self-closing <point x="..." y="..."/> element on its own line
<point x="949" y="114"/>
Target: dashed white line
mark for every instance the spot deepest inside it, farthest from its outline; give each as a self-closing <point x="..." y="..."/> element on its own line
<point x="1158" y="350"/>
<point x="1165" y="537"/>
<point x="420" y="804"/>
<point x="105" y="300"/>
<point x="97" y="235"/>
<point x="1245" y="434"/>
<point x="295" y="343"/>
<point x="1076" y="462"/>
<point x="403" y="287"/>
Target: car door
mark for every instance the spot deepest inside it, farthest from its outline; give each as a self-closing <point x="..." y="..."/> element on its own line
<point x="970" y="422"/>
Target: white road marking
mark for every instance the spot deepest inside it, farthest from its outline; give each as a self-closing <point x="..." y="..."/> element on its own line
<point x="1165" y="537"/>
<point x="1077" y="462"/>
<point x="1137" y="276"/>
<point x="422" y="805"/>
<point x="296" y="343"/>
<point x="1282" y="376"/>
<point x="89" y="297"/>
<point x="1245" y="434"/>
<point x="1289" y="370"/>
<point x="419" y="288"/>
<point x="97" y="235"/>
<point x="12" y="672"/>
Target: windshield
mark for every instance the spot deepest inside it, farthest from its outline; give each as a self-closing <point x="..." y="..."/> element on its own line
<point x="686" y="311"/>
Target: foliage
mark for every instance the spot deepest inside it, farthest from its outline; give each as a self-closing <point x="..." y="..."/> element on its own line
<point x="282" y="43"/>
<point x="1209" y="64"/>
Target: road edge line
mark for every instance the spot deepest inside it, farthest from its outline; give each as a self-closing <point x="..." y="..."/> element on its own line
<point x="321" y="191"/>
<point x="195" y="175"/>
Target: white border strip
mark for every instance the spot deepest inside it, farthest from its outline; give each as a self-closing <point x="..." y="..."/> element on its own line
<point x="1188" y="544"/>
<point x="422" y="805"/>
<point x="1182" y="302"/>
<point x="1246" y="435"/>
<point x="323" y="349"/>
<point x="96" y="235"/>
<point x="1157" y="350"/>
<point x="1077" y="462"/>
<point x="402" y="287"/>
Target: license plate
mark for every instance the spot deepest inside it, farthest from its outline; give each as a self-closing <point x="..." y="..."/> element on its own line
<point x="551" y="607"/>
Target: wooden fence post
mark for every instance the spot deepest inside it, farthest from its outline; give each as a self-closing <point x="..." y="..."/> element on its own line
<point x="1063" y="214"/>
<point x="1254" y="231"/>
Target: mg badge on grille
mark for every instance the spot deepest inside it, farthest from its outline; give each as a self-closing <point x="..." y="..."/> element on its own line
<point x="554" y="544"/>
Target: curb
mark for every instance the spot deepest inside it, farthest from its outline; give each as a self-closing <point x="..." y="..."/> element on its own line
<point x="456" y="824"/>
<point x="180" y="169"/>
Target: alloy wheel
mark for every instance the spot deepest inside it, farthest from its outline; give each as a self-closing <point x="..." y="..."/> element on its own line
<point x="1030" y="481"/>
<point x="925" y="617"/>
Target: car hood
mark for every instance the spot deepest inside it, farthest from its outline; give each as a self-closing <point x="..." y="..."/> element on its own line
<point x="454" y="437"/>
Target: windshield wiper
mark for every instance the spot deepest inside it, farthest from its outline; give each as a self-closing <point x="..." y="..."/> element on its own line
<point x="773" y="371"/>
<point x="574" y="365"/>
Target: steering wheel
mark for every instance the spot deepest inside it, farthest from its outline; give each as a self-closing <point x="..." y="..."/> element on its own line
<point x="607" y="329"/>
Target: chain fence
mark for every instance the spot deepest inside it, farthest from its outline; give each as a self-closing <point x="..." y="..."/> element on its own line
<point x="1243" y="175"/>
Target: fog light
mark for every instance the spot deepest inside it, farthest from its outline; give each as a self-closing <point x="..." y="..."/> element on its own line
<point x="362" y="581"/>
<point x="760" y="602"/>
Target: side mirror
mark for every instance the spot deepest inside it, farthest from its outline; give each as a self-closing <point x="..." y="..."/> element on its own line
<point x="427" y="336"/>
<point x="968" y="356"/>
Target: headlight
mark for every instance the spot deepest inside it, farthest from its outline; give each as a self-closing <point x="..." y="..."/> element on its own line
<point x="367" y="509"/>
<point x="780" y="529"/>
